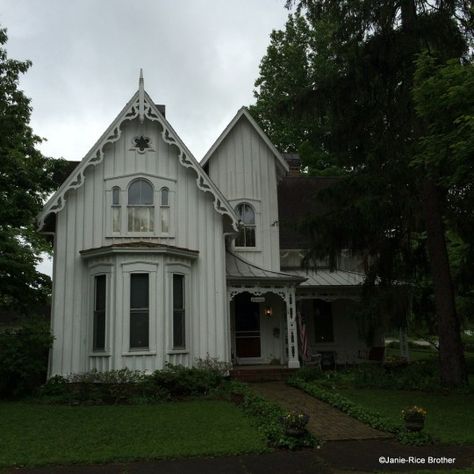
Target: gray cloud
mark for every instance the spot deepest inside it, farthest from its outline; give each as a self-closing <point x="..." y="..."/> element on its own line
<point x="199" y="57"/>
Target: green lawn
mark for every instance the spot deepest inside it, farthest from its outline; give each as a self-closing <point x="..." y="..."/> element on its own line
<point x="450" y="417"/>
<point x="33" y="434"/>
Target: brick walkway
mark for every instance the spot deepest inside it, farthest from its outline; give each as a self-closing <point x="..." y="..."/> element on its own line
<point x="325" y="422"/>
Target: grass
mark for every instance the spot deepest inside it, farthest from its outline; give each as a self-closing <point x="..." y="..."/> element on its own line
<point x="450" y="417"/>
<point x="33" y="434"/>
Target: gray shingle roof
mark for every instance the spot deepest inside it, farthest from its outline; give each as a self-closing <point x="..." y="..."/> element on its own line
<point x="239" y="269"/>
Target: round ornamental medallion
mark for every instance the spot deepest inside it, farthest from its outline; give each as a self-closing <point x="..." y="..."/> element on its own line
<point x="142" y="144"/>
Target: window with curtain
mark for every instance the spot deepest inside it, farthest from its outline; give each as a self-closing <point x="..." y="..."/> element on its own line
<point x="246" y="236"/>
<point x="116" y="209"/>
<point x="139" y="310"/>
<point x="165" y="210"/>
<point x="140" y="206"/>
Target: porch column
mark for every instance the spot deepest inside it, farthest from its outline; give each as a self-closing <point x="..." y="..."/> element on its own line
<point x="290" y="300"/>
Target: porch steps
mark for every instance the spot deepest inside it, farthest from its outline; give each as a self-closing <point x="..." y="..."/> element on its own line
<point x="261" y="374"/>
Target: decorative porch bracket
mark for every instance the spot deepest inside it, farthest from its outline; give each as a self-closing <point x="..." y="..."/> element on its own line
<point x="288" y="296"/>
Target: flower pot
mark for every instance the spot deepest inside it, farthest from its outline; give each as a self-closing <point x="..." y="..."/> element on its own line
<point x="295" y="432"/>
<point x="414" y="425"/>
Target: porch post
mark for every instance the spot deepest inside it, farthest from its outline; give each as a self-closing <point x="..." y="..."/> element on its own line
<point x="290" y="300"/>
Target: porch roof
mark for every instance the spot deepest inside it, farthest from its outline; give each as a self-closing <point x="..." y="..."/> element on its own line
<point x="327" y="278"/>
<point x="239" y="269"/>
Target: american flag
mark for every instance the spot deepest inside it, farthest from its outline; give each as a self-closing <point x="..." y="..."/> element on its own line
<point x="304" y="344"/>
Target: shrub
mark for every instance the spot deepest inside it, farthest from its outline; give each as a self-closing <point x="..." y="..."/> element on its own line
<point x="268" y="417"/>
<point x="24" y="358"/>
<point x="133" y="386"/>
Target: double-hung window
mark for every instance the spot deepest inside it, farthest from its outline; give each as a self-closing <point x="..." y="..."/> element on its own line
<point x="139" y="310"/>
<point x="116" y="210"/>
<point x="165" y="210"/>
<point x="100" y="291"/>
<point x="140" y="206"/>
<point x="246" y="236"/>
<point x="179" y="312"/>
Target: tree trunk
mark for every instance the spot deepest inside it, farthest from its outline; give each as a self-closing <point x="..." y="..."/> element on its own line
<point x="451" y="353"/>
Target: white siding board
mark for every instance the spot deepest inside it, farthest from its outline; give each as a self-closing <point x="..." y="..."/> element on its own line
<point x="244" y="169"/>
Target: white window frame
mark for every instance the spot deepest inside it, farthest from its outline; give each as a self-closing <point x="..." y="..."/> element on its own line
<point x="255" y="226"/>
<point x="185" y="270"/>
<point x="97" y="270"/>
<point x="147" y="206"/>
<point x="123" y="182"/>
<point x="153" y="295"/>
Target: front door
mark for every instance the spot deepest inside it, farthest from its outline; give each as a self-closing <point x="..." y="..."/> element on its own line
<point x="247" y="328"/>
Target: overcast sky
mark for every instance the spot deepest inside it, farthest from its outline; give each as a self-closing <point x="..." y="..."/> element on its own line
<point x="199" y="57"/>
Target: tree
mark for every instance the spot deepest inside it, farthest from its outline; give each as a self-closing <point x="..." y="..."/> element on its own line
<point x="360" y="93"/>
<point x="26" y="178"/>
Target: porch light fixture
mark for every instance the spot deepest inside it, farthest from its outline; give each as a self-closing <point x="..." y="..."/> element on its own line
<point x="268" y="311"/>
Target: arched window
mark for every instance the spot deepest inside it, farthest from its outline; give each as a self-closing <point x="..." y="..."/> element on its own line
<point x="246" y="237"/>
<point x="140" y="206"/>
<point x="116" y="209"/>
<point x="165" y="210"/>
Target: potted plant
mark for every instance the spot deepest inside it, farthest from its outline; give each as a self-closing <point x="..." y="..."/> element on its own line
<point x="294" y="423"/>
<point x="414" y="418"/>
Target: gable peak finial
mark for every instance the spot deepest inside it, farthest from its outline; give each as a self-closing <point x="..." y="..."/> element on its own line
<point x="141" y="97"/>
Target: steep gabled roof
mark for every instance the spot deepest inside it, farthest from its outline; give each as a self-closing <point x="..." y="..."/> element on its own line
<point x="243" y="112"/>
<point x="139" y="106"/>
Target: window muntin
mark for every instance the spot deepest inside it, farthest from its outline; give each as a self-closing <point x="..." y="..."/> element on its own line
<point x="179" y="312"/>
<point x="139" y="311"/>
<point x="100" y="291"/>
<point x="246" y="235"/>
<point x="140" y="206"/>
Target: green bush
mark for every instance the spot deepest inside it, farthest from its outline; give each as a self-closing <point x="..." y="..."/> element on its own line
<point x="24" y="358"/>
<point x="132" y="386"/>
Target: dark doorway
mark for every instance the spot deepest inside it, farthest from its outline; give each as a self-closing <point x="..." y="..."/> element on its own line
<point x="247" y="327"/>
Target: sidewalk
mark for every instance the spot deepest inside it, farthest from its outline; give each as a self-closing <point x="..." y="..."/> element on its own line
<point x="325" y="422"/>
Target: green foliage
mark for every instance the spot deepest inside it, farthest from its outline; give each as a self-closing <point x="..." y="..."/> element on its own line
<point x="372" y="418"/>
<point x="355" y="65"/>
<point x="26" y="178"/>
<point x="132" y="386"/>
<point x="268" y="417"/>
<point x="23" y="358"/>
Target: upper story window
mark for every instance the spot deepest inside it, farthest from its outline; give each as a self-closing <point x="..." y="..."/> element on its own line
<point x="246" y="236"/>
<point x="116" y="209"/>
<point x="140" y="206"/>
<point x="165" y="210"/>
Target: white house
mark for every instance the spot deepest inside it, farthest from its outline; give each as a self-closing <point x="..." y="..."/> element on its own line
<point x="159" y="258"/>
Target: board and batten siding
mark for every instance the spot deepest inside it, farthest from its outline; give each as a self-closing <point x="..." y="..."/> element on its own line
<point x="244" y="169"/>
<point x="85" y="223"/>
